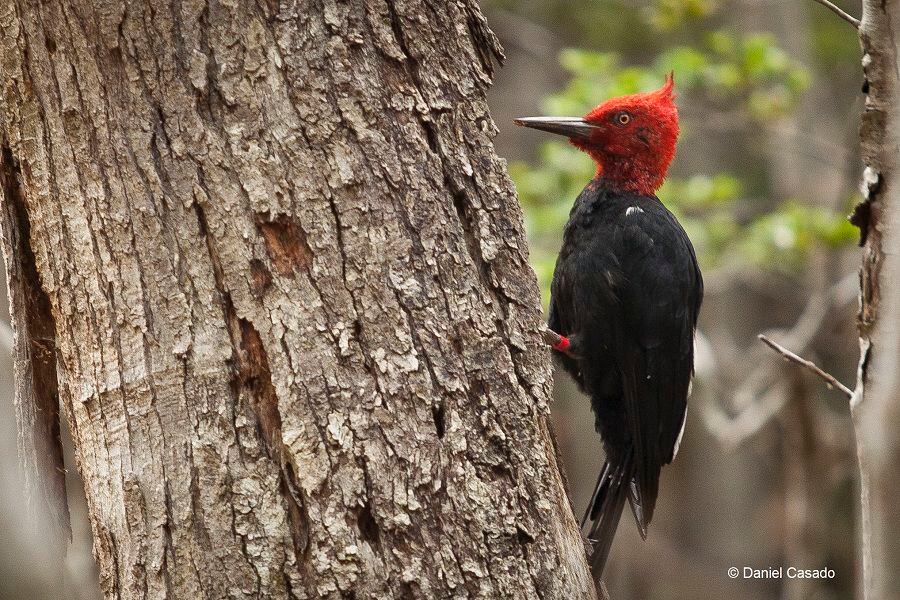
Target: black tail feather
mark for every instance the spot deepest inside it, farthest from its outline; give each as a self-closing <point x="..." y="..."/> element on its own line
<point x="599" y="490"/>
<point x="606" y="510"/>
<point x="641" y="518"/>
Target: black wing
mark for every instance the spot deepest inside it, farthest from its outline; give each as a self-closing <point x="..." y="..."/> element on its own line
<point x="561" y="320"/>
<point x="627" y="285"/>
<point x="660" y="299"/>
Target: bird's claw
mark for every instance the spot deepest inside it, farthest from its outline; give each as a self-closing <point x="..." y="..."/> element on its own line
<point x="551" y="338"/>
<point x="556" y="341"/>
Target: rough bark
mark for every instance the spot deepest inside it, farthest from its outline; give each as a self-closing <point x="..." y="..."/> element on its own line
<point x="296" y="328"/>
<point x="34" y="364"/>
<point x="876" y="401"/>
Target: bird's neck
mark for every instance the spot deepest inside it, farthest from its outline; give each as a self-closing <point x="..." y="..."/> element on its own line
<point x="628" y="175"/>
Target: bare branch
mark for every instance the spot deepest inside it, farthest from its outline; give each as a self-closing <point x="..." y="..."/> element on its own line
<point x="731" y="432"/>
<point x="761" y="396"/>
<point x="839" y="12"/>
<point x="830" y="379"/>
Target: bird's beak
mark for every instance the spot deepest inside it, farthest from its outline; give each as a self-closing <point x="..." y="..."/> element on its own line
<point x="574" y="128"/>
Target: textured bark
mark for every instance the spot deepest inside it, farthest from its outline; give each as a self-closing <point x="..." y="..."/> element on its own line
<point x="876" y="401"/>
<point x="296" y="329"/>
<point x="34" y="364"/>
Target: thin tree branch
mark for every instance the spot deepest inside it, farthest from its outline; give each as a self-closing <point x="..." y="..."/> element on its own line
<point x="839" y="12"/>
<point x="731" y="432"/>
<point x="830" y="379"/>
<point x="761" y="396"/>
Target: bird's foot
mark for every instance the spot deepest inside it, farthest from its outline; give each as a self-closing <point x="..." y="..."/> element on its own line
<point x="558" y="342"/>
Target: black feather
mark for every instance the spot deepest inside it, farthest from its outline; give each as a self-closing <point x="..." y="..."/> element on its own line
<point x="628" y="288"/>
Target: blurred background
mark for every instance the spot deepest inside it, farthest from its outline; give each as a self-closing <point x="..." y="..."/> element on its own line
<point x="765" y="175"/>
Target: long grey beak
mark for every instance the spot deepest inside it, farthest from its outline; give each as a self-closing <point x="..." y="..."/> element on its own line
<point x="571" y="127"/>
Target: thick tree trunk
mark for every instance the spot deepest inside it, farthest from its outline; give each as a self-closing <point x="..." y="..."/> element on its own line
<point x="296" y="329"/>
<point x="876" y="401"/>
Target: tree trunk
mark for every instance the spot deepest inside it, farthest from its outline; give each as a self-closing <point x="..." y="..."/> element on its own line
<point x="295" y="326"/>
<point x="876" y="401"/>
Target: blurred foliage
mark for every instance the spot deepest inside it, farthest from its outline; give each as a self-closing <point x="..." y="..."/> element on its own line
<point x="668" y="15"/>
<point x="746" y="79"/>
<point x="834" y="52"/>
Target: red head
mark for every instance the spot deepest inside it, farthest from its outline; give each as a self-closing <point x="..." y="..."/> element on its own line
<point x="632" y="138"/>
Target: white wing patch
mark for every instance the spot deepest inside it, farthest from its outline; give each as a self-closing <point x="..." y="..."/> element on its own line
<point x="633" y="210"/>
<point x="680" y="434"/>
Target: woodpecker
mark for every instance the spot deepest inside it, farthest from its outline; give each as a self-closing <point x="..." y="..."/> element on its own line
<point x="625" y="298"/>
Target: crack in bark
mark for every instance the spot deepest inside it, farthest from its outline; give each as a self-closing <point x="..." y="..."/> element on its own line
<point x="285" y="243"/>
<point x="458" y="192"/>
<point x="486" y="44"/>
<point x="35" y="360"/>
<point x="254" y="375"/>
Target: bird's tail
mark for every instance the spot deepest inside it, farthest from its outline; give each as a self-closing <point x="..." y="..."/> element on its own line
<point x="605" y="509"/>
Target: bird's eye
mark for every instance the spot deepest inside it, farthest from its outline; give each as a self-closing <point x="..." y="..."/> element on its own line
<point x="623" y="118"/>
